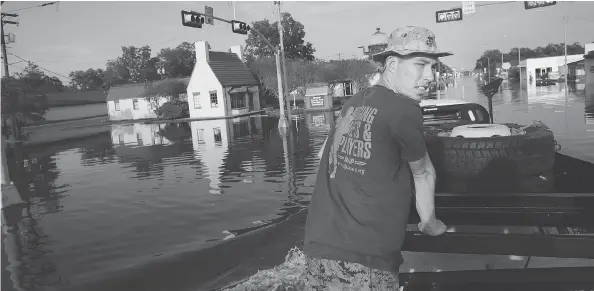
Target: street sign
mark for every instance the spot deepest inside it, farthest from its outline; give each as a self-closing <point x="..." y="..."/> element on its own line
<point x="209" y="14"/>
<point x="506" y="66"/>
<point x="448" y="15"/>
<point x="468" y="7"/>
<point x="538" y="4"/>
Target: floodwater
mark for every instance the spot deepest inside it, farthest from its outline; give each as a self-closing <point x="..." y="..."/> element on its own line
<point x="142" y="191"/>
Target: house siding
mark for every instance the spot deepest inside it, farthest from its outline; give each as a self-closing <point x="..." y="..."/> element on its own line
<point x="75" y="112"/>
<point x="204" y="81"/>
<point x="127" y="111"/>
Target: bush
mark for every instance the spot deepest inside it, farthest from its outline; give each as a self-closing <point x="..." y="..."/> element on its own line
<point x="173" y="109"/>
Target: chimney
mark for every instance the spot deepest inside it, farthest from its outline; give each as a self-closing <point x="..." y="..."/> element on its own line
<point x="238" y="50"/>
<point x="202" y="51"/>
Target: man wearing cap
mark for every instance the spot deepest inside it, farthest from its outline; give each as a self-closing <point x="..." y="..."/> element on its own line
<point x="373" y="161"/>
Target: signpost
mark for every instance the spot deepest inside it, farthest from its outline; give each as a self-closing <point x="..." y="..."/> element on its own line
<point x="468" y="7"/>
<point x="209" y="15"/>
<point x="448" y="15"/>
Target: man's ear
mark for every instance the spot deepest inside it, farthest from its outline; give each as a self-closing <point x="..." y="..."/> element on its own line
<point x="391" y="64"/>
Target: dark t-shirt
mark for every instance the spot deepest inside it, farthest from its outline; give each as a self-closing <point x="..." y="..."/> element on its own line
<point x="361" y="202"/>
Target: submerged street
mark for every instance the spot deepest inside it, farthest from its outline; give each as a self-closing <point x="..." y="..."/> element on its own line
<point x="142" y="192"/>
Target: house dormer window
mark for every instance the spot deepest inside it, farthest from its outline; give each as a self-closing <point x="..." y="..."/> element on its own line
<point x="214" y="100"/>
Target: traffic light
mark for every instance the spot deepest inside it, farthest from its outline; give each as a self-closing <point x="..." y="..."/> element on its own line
<point x="448" y="15"/>
<point x="239" y="27"/>
<point x="192" y="19"/>
<point x="538" y="4"/>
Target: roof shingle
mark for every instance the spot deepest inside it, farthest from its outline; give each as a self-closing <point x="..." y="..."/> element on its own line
<point x="230" y="70"/>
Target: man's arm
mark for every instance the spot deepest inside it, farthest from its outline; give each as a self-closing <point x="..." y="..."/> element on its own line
<point x="424" y="178"/>
<point x="408" y="131"/>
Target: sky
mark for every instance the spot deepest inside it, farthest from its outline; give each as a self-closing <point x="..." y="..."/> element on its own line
<point x="81" y="35"/>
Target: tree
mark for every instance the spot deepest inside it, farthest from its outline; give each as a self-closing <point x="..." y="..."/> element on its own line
<point x="293" y="39"/>
<point x="22" y="103"/>
<point x="36" y="80"/>
<point x="89" y="80"/>
<point x="135" y="65"/>
<point x="359" y="71"/>
<point x="170" y="89"/>
<point x="178" y="62"/>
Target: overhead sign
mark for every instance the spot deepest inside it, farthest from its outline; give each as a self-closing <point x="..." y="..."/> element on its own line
<point x="209" y="15"/>
<point x="468" y="7"/>
<point x="448" y="15"/>
<point x="538" y="4"/>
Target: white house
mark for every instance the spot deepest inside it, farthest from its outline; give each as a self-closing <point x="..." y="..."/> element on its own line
<point x="221" y="84"/>
<point x="128" y="102"/>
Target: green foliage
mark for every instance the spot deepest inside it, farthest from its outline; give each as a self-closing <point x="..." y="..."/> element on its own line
<point x="89" y="80"/>
<point x="173" y="109"/>
<point x="293" y="39"/>
<point x="301" y="73"/>
<point x="170" y="89"/>
<point x="178" y="62"/>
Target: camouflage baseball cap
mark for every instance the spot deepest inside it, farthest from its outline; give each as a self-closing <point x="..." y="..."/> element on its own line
<point x="408" y="40"/>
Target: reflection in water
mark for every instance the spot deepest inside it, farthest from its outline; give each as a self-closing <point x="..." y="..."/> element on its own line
<point x="155" y="176"/>
<point x="211" y="141"/>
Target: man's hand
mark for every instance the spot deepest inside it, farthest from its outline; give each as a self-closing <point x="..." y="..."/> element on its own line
<point x="433" y="227"/>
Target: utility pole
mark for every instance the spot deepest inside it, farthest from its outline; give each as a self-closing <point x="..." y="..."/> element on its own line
<point x="565" y="44"/>
<point x="489" y="68"/>
<point x="16" y="129"/>
<point x="519" y="66"/>
<point x="284" y="67"/>
<point x="4" y="54"/>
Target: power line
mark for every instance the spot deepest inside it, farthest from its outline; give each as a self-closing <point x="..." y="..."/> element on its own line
<point x="42" y="67"/>
<point x="35" y="6"/>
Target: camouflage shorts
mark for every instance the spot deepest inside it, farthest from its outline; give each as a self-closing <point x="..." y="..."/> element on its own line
<point x="331" y="275"/>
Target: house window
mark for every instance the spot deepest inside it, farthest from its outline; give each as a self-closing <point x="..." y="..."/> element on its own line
<point x="200" y="135"/>
<point x="121" y="138"/>
<point x="348" y="88"/>
<point x="196" y="97"/>
<point x="117" y="105"/>
<point x="214" y="101"/>
<point x="135" y="104"/>
<point x="237" y="100"/>
<point x="217" y="134"/>
<point x="139" y="139"/>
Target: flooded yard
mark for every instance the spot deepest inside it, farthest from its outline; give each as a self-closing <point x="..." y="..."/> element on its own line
<point x="141" y="191"/>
